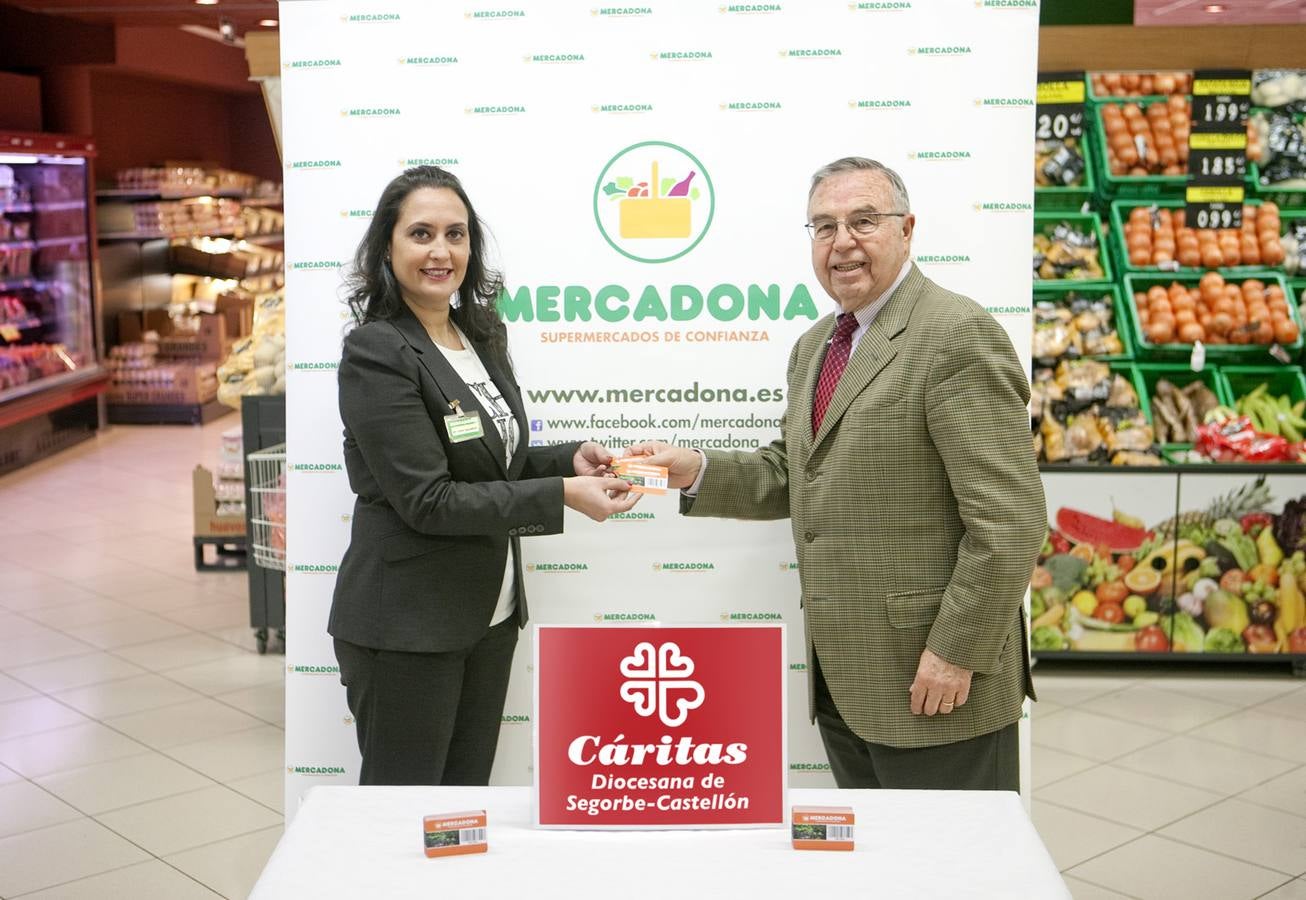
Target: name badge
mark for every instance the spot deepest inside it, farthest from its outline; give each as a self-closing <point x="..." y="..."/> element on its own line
<point x="463" y="425"/>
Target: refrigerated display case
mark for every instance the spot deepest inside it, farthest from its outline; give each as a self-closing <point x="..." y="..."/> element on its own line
<point x="50" y="347"/>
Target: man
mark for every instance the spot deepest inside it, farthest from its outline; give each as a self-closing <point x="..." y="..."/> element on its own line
<point x="905" y="465"/>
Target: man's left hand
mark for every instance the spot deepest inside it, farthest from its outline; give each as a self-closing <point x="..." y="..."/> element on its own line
<point x="939" y="686"/>
<point x="591" y="459"/>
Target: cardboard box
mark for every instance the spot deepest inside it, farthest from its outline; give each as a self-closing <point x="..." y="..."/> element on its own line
<point x="192" y="383"/>
<point x="238" y="312"/>
<point x="209" y="342"/>
<point x="453" y="834"/>
<point x="822" y="827"/>
<point x="207" y="521"/>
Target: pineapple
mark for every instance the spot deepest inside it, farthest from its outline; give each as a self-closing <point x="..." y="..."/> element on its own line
<point x="1234" y="505"/>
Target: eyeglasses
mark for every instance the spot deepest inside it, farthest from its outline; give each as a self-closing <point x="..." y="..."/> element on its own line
<point x="823" y="231"/>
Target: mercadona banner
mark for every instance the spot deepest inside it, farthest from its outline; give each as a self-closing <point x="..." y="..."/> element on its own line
<point x="643" y="170"/>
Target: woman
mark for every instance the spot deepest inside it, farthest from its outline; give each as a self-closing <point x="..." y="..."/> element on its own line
<point x="429" y="596"/>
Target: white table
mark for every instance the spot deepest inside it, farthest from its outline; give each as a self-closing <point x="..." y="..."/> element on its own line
<point x="360" y="843"/>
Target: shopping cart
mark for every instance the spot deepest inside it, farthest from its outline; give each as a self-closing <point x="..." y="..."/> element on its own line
<point x="266" y="473"/>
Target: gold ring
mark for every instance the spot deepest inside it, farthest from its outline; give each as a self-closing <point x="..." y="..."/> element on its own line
<point x="948" y="705"/>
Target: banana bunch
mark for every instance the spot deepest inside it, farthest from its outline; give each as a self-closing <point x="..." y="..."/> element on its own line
<point x="1273" y="415"/>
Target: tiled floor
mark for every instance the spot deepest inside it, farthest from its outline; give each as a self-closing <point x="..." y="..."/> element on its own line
<point x="141" y="736"/>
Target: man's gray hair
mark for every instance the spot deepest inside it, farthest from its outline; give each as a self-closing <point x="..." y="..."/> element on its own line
<point x="862" y="164"/>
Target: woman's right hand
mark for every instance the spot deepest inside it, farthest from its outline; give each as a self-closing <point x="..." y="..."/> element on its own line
<point x="598" y="497"/>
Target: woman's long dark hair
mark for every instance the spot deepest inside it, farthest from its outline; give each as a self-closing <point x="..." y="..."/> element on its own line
<point x="373" y="292"/>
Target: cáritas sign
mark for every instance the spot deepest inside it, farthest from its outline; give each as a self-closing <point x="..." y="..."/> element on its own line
<point x="648" y="727"/>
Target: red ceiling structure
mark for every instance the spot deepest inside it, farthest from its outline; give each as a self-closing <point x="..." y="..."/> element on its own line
<point x="245" y="15"/>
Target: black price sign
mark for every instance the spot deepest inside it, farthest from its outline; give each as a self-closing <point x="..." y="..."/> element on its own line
<point x="1060" y="106"/>
<point x="1216" y="158"/>
<point x="1221" y="99"/>
<point x="1214" y="206"/>
<point x="1217" y="149"/>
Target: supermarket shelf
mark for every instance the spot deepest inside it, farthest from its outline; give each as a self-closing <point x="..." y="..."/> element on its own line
<point x="119" y="194"/>
<point x="263" y="201"/>
<point x="25" y="281"/>
<point x="61" y="241"/>
<point x="21" y="324"/>
<point x="24" y="243"/>
<point x="52" y="206"/>
<point x="166" y="413"/>
<point x="106" y="236"/>
<point x="48" y="394"/>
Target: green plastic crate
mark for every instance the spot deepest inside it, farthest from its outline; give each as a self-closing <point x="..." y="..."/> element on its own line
<point x="1071" y="198"/>
<point x="1113" y="186"/>
<point x="1091" y="96"/>
<point x="1298" y="288"/>
<point x="1130" y="371"/>
<point x="1120" y="250"/>
<point x="1230" y="354"/>
<point x="1180" y="376"/>
<point x="1045" y="222"/>
<point x="1241" y="380"/>
<point x="1056" y="290"/>
<point x="1288" y="198"/>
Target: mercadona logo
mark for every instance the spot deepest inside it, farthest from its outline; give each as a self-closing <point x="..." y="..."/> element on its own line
<point x="654" y="202"/>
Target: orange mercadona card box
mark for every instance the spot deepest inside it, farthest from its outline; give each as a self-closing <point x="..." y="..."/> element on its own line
<point x="643" y="478"/>
<point x="822" y="827"/>
<point x="453" y="834"/>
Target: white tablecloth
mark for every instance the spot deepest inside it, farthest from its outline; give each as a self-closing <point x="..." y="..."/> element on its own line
<point x="358" y="843"/>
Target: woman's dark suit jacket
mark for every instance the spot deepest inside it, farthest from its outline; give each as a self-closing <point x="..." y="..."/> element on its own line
<point x="433" y="519"/>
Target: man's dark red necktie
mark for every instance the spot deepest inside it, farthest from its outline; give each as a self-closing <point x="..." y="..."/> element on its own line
<point x="836" y="360"/>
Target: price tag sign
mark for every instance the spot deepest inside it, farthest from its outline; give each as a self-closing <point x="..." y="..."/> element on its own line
<point x="10" y="333"/>
<point x="1059" y="112"/>
<point x="1217" y="148"/>
<point x="1214" y="206"/>
<point x="1214" y="157"/>
<point x="1221" y="99"/>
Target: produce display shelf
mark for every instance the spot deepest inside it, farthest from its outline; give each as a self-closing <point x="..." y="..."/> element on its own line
<point x="1296" y="660"/>
<point x="1045" y="222"/>
<point x="1073" y="197"/>
<point x="1119" y="215"/>
<point x="1280" y="468"/>
<point x="1057" y="290"/>
<point x="1219" y="353"/>
<point x="166" y="414"/>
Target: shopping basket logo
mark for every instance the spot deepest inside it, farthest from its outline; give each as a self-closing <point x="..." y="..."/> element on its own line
<point x="653" y="202"/>
<point x="658" y="679"/>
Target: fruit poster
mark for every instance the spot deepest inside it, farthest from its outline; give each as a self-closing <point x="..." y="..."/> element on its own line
<point x="1157" y="562"/>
